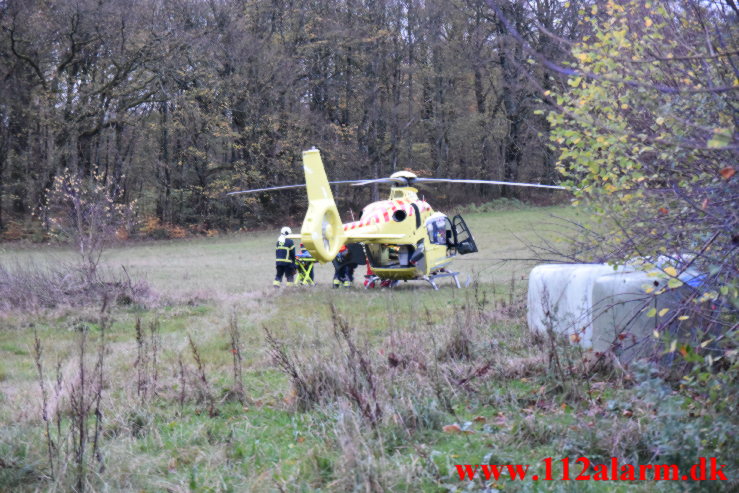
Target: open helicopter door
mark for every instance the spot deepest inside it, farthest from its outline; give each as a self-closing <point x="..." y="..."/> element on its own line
<point x="462" y="237"/>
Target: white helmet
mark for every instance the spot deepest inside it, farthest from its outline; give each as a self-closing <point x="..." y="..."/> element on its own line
<point x="286" y="231"/>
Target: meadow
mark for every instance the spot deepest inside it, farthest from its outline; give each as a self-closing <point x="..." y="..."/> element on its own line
<point x="219" y="382"/>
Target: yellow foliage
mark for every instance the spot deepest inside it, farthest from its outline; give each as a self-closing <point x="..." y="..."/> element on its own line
<point x="153" y="227"/>
<point x="151" y="223"/>
<point x="121" y="234"/>
<point x="176" y="231"/>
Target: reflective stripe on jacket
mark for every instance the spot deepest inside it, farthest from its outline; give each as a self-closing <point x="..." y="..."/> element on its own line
<point x="285" y="252"/>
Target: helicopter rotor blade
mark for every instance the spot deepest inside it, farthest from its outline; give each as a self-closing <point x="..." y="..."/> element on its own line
<point x="400" y="181"/>
<point x="490" y="182"/>
<point x="268" y="189"/>
<point x="404" y="182"/>
<point x="286" y="187"/>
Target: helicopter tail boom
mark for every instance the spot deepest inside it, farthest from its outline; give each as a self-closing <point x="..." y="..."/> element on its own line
<point x="322" y="232"/>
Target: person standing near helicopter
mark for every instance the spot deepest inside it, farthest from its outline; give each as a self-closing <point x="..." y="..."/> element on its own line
<point x="345" y="263"/>
<point x="339" y="266"/>
<point x="284" y="258"/>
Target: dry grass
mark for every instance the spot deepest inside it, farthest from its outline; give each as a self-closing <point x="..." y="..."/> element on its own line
<point x="237" y="265"/>
<point x="339" y="407"/>
<point x="352" y="391"/>
<point x="30" y="287"/>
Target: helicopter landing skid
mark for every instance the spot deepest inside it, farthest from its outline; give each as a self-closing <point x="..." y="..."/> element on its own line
<point x="372" y="281"/>
<point x="432" y="278"/>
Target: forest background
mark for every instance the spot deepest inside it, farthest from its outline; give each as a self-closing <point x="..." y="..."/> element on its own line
<point x="169" y="104"/>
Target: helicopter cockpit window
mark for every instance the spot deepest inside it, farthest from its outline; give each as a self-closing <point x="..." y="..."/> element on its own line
<point x="437" y="230"/>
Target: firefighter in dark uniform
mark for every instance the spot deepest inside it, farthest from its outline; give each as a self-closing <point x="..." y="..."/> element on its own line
<point x="284" y="258"/>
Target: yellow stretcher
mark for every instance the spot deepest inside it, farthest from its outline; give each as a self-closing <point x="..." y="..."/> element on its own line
<point x="305" y="264"/>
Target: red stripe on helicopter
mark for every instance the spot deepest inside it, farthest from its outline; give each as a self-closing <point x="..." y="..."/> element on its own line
<point x="381" y="213"/>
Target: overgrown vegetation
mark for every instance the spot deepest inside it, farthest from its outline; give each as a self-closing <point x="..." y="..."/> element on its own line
<point x="367" y="390"/>
<point x="231" y="387"/>
<point x="647" y="135"/>
<point x="30" y="286"/>
<point x="340" y="406"/>
<point x="648" y="138"/>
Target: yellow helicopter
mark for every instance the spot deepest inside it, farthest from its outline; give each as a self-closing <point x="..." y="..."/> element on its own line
<point x="403" y="238"/>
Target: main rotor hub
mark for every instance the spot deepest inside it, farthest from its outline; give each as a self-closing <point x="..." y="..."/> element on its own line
<point x="408" y="176"/>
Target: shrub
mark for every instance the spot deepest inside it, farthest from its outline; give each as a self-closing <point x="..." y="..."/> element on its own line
<point x="86" y="211"/>
<point x="29" y="286"/>
<point x="153" y="228"/>
<point x="648" y="142"/>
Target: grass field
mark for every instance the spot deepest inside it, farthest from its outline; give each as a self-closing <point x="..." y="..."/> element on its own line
<point x="230" y="385"/>
<point x="243" y="263"/>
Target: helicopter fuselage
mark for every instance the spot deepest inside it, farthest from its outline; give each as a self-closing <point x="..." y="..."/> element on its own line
<point x="424" y="245"/>
<point x="403" y="237"/>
